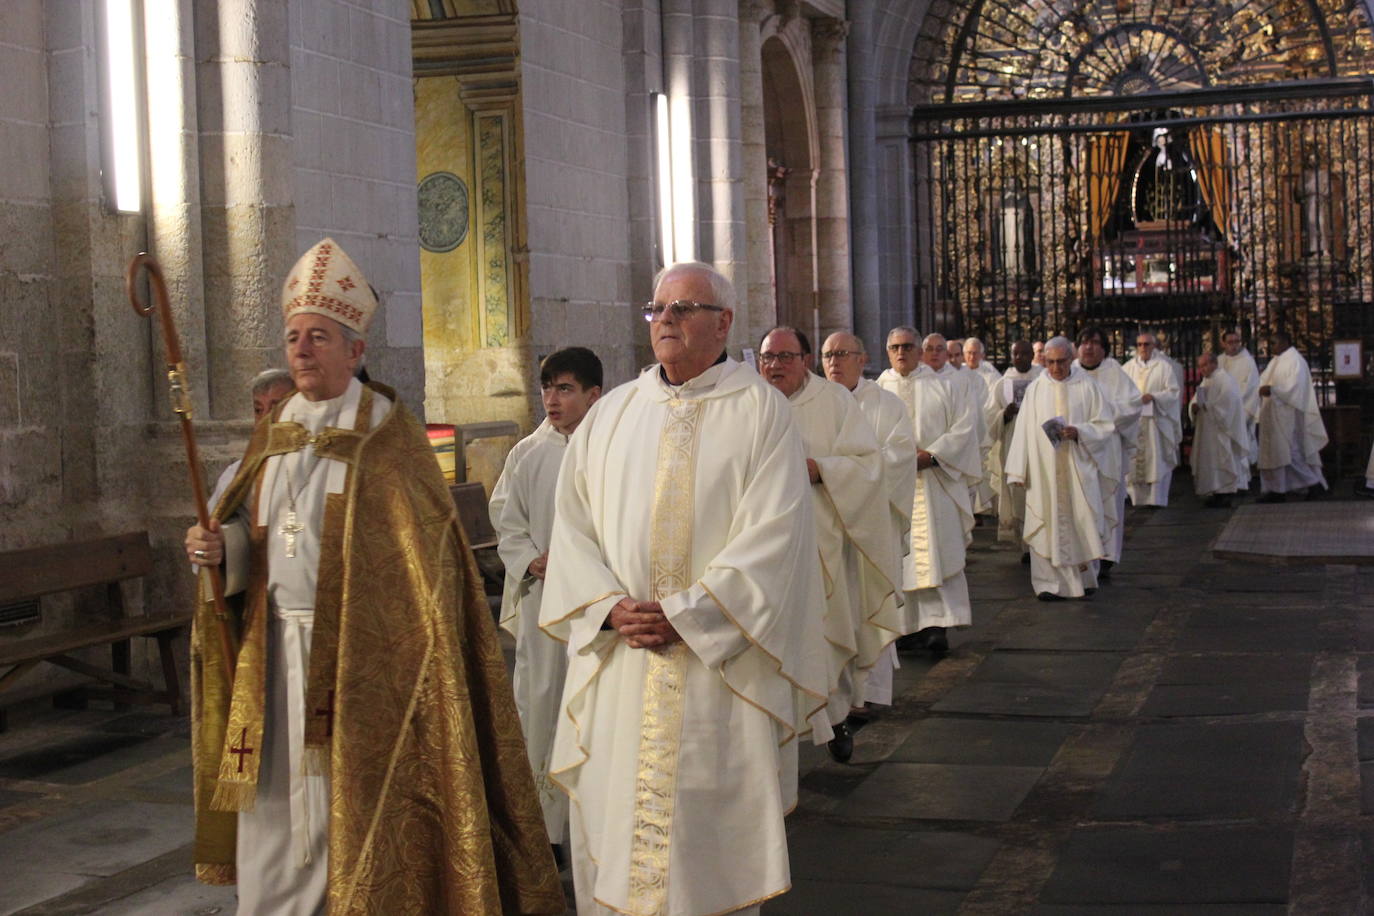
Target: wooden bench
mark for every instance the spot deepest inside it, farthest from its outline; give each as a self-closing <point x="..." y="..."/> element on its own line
<point x="28" y="575"/>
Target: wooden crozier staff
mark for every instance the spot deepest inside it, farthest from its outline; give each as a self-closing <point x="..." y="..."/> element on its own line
<point x="181" y="405"/>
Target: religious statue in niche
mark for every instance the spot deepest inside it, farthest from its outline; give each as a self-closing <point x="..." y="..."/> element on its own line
<point x="1164" y="187"/>
<point x="1313" y="194"/>
<point x="1012" y="230"/>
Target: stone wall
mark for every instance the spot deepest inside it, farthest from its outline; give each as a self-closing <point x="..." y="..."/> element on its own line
<point x="576" y="179"/>
<point x="269" y="125"/>
<point x="353" y="153"/>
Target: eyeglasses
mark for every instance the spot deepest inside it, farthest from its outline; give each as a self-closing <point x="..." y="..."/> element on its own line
<point x="901" y="347"/>
<point x="838" y="354"/>
<point x="681" y="309"/>
<point x="1144" y="343"/>
<point x="782" y="359"/>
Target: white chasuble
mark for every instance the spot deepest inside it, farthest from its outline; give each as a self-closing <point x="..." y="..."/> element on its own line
<point x="522" y="512"/>
<point x="680" y="763"/>
<point x="941" y="511"/>
<point x="283" y="842"/>
<point x="1291" y="432"/>
<point x="1123" y="398"/>
<point x="1220" y="458"/>
<point x="1011" y="501"/>
<point x="1159" y="434"/>
<point x="1067" y="485"/>
<point x="970" y="391"/>
<point x="887" y="416"/>
<point x="1242" y="368"/>
<point x="858" y="558"/>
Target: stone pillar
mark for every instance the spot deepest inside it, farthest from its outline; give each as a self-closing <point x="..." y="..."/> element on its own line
<point x="248" y="220"/>
<point x="832" y="187"/>
<point x="896" y="236"/>
<point x="758" y="312"/>
<point x="863" y="195"/>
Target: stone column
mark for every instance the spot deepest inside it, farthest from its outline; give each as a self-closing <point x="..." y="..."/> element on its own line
<point x="719" y="150"/>
<point x="832" y="187"/>
<point x="896" y="236"/>
<point x="863" y="195"/>
<point x="754" y="281"/>
<point x="248" y="220"/>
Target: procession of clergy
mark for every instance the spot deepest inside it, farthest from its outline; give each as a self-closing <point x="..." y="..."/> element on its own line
<point x="704" y="566"/>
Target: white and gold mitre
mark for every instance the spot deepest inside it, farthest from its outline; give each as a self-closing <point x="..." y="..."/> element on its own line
<point x="327" y="282"/>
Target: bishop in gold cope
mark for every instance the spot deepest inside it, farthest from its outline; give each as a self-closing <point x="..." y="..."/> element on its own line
<point x="367" y="756"/>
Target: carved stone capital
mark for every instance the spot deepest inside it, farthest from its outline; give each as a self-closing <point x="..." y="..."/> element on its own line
<point x="753" y="11"/>
<point x="829" y="34"/>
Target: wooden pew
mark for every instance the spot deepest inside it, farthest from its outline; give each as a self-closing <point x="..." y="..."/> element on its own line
<point x="28" y="575"/>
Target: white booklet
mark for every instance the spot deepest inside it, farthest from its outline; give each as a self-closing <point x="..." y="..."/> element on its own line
<point x="1147" y="409"/>
<point x="1054" y="429"/>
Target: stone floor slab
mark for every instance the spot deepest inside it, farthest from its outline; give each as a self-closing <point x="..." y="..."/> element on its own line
<point x="1033" y="684"/>
<point x="1184" y="700"/>
<point x="1184" y="770"/>
<point x="49" y="857"/>
<point x="1171" y="909"/>
<point x="936" y="860"/>
<point x="824" y="898"/>
<point x="179" y="896"/>
<point x="926" y="791"/>
<point x="1253" y="629"/>
<point x="978" y="741"/>
<point x="1069" y="626"/>
<point x="57" y="761"/>
<point x="1244" y="865"/>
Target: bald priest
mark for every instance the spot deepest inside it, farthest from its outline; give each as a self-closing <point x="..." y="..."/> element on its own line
<point x="367" y="756"/>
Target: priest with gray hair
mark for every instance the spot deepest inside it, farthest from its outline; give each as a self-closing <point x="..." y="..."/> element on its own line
<point x="1062" y="453"/>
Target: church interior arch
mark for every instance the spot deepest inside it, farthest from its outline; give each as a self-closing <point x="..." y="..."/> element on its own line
<point x="790" y="146"/>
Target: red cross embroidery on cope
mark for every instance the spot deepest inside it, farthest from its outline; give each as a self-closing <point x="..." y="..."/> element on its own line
<point x="346" y="283"/>
<point x="328" y="713"/>
<point x="241" y="749"/>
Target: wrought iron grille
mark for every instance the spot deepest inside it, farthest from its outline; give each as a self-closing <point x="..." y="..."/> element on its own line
<point x="1183" y="213"/>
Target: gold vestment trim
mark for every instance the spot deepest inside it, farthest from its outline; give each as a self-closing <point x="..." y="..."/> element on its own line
<point x="665" y="670"/>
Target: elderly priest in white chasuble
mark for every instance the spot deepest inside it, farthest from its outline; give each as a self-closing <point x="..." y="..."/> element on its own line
<point x="1064" y="453"/>
<point x="1220" y="458"/>
<point x="1156" y="455"/>
<point x="522" y="512"/>
<point x="684" y="580"/>
<point x="844" y="358"/>
<point x="933" y="581"/>
<point x="367" y="756"/>
<point x="1000" y="411"/>
<point x="1291" y="432"/>
<point x="1124" y="397"/>
<point x="857" y="558"/>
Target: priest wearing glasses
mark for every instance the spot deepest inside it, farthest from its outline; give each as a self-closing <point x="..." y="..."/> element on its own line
<point x="367" y="755"/>
<point x="683" y="579"/>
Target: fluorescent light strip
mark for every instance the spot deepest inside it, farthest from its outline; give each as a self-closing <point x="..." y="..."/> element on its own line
<point x="125" y="158"/>
<point x="662" y="140"/>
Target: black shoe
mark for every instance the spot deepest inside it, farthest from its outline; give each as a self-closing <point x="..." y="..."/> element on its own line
<point x="1273" y="498"/>
<point x="842" y="745"/>
<point x="911" y="642"/>
<point x="1218" y="501"/>
<point x="1364" y="490"/>
<point x="936" y="641"/>
<point x="1104" y="569"/>
<point x="1050" y="596"/>
<point x="1025" y="557"/>
<point x="1316" y="491"/>
<point x="1088" y="593"/>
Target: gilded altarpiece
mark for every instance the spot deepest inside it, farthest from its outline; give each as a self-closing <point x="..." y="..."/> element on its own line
<point x="473" y="262"/>
<point x="1184" y="167"/>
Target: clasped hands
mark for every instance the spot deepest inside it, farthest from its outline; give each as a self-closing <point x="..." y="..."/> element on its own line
<point x="642" y="624"/>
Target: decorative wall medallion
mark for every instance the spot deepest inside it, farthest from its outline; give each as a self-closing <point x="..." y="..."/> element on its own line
<point x="443" y="212"/>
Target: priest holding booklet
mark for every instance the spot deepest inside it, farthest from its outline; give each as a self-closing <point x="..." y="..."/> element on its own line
<point x="1062" y="454"/>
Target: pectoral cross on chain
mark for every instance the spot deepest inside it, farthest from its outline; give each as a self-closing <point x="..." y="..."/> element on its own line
<point x="290" y="527"/>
